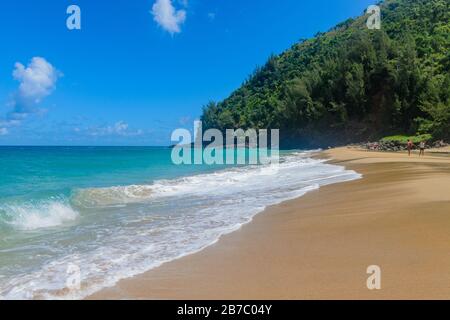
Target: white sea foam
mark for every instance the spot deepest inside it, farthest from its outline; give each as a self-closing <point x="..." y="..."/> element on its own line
<point x="112" y="196"/>
<point x="144" y="226"/>
<point x="32" y="216"/>
<point x="198" y="184"/>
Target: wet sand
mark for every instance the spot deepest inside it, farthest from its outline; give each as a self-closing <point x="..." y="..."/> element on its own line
<point x="319" y="246"/>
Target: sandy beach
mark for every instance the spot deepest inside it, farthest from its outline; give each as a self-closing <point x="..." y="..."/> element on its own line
<point x="319" y="246"/>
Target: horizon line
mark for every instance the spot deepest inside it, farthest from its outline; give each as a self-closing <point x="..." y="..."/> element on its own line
<point x="83" y="146"/>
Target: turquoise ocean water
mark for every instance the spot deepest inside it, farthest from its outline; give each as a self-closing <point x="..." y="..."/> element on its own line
<point x="118" y="211"/>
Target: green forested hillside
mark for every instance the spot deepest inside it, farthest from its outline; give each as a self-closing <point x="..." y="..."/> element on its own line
<point x="352" y="84"/>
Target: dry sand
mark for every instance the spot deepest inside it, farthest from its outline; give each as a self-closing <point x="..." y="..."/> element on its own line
<point x="320" y="245"/>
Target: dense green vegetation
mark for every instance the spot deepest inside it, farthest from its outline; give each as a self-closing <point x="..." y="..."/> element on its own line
<point x="404" y="139"/>
<point x="352" y="84"/>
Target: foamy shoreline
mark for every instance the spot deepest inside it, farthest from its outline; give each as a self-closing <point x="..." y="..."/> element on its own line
<point x="122" y="231"/>
<point x="319" y="245"/>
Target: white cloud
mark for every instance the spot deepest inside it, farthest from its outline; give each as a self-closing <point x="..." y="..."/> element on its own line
<point x="165" y="15"/>
<point x="120" y="128"/>
<point x="3" y="131"/>
<point x="36" y="81"/>
<point x="211" y="16"/>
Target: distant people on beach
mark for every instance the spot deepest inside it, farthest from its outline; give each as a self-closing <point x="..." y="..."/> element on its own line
<point x="422" y="148"/>
<point x="409" y="146"/>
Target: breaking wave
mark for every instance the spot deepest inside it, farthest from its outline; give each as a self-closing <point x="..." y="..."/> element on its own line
<point x="127" y="230"/>
<point x="32" y="216"/>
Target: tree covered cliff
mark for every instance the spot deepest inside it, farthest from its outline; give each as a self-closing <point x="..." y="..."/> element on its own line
<point x="352" y="84"/>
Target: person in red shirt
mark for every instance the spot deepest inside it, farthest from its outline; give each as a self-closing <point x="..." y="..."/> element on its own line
<point x="409" y="146"/>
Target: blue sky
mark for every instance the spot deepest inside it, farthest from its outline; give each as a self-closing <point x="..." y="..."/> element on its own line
<point x="137" y="69"/>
